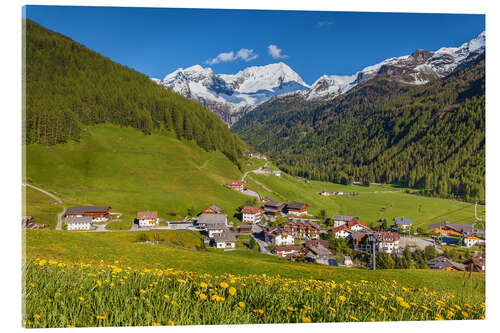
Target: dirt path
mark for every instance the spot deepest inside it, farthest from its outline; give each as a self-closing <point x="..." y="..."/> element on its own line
<point x="59" y="201"/>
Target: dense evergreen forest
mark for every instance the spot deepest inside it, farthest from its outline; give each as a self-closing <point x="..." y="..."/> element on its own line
<point x="69" y="87"/>
<point x="430" y="137"/>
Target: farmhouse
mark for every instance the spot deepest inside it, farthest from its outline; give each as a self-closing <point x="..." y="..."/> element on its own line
<point x="273" y="208"/>
<point x="451" y="229"/>
<point x="297" y="208"/>
<point x="79" y="223"/>
<point x="212" y="210"/>
<point x="288" y="250"/>
<point x="27" y="222"/>
<point x="387" y="242"/>
<point x="277" y="173"/>
<point x="213" y="229"/>
<point x="403" y="223"/>
<point x="325" y="193"/>
<point x="477" y="237"/>
<point x="98" y="213"/>
<point x="356" y="225"/>
<point x="251" y="214"/>
<point x="225" y="240"/>
<point x="237" y="185"/>
<point x="147" y="219"/>
<point x="316" y="242"/>
<point x="207" y="219"/>
<point x="342" y="231"/>
<point x="307" y="230"/>
<point x="443" y="263"/>
<point x="278" y="236"/>
<point x="476" y="264"/>
<point x="267" y="199"/>
<point x="339" y="220"/>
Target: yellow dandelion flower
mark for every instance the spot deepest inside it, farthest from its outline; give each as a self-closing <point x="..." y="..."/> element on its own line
<point x="438" y="317"/>
<point x="383" y="297"/>
<point x="70" y="326"/>
<point x="42" y="262"/>
<point x="465" y="314"/>
<point x="306" y="320"/>
<point x="372" y="319"/>
<point x="215" y="298"/>
<point x="203" y="285"/>
<point x="399" y="299"/>
<point x="36" y="316"/>
<point x="394" y="309"/>
<point x="156" y="324"/>
<point x="203" y="296"/>
<point x="424" y="307"/>
<point x="99" y="283"/>
<point x="142" y="291"/>
<point x="81" y="299"/>
<point x="99" y="317"/>
<point x="354" y="318"/>
<point x="232" y="291"/>
<point x="223" y="285"/>
<point x="260" y="311"/>
<point x="332" y="309"/>
<point x="404" y="305"/>
<point x="174" y="303"/>
<point x="342" y="298"/>
<point x="381" y="309"/>
<point x="171" y="323"/>
<point x="241" y="304"/>
<point x="166" y="296"/>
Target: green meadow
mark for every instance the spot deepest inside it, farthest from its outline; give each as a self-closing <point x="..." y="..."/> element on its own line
<point x="130" y="171"/>
<point x="371" y="204"/>
<point x="41" y="206"/>
<point x="181" y="250"/>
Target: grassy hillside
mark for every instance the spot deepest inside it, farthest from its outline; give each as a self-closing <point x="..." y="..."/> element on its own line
<point x="41" y="206"/>
<point x="130" y="171"/>
<point x="69" y="86"/>
<point x="372" y="203"/>
<point x="178" y="252"/>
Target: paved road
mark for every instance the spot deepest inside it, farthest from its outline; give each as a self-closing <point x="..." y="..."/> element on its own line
<point x="59" y="216"/>
<point x="256" y="229"/>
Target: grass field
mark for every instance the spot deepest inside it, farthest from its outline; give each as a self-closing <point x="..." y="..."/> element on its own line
<point x="178" y="250"/>
<point x="372" y="203"/>
<point x="131" y="172"/>
<point x="109" y="279"/>
<point x="41" y="206"/>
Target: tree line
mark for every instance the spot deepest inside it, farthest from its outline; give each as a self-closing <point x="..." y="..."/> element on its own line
<point x="69" y="86"/>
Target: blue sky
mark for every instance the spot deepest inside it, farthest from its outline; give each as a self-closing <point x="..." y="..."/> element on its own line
<point x="156" y="41"/>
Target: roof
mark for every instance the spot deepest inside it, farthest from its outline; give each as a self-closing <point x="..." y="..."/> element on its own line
<point x="76" y="220"/>
<point x="296" y="205"/>
<point x="268" y="198"/>
<point x="319" y="250"/>
<point x="147" y="215"/>
<point x="399" y="220"/>
<point x="344" y="218"/>
<point x="275" y="204"/>
<point x="212" y="219"/>
<point x="316" y="242"/>
<point x="215" y="208"/>
<point x="342" y="228"/>
<point x="387" y="236"/>
<point x="250" y="210"/>
<point x="225" y="237"/>
<point x="80" y="210"/>
<point x="463" y="228"/>
<point x="355" y="222"/>
<point x="245" y="226"/>
<point x="443" y="263"/>
<point x="235" y="183"/>
<point x="216" y="226"/>
<point x="289" y="248"/>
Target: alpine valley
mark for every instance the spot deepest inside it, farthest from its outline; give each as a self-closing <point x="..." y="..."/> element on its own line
<point x="417" y="121"/>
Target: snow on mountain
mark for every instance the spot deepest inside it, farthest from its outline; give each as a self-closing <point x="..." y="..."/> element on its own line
<point x="229" y="94"/>
<point x="417" y="68"/>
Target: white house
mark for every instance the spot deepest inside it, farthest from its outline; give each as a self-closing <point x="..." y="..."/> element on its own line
<point x="403" y="223"/>
<point x="79" y="223"/>
<point x="474" y="238"/>
<point x="342" y="231"/>
<point x="251" y="214"/>
<point x="147" y="219"/>
<point x="281" y="238"/>
<point x="325" y="193"/>
<point x="225" y="240"/>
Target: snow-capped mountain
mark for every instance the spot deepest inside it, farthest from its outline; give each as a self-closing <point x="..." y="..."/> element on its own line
<point x="417" y="68"/>
<point x="230" y="95"/>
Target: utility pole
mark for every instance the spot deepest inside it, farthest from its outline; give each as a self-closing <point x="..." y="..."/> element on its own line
<point x="373" y="241"/>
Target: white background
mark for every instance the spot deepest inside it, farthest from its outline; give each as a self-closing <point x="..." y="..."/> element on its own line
<point x="10" y="131"/>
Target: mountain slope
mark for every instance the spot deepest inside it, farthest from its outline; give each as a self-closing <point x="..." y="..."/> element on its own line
<point x="69" y="87"/>
<point x="229" y="96"/>
<point x="429" y="136"/>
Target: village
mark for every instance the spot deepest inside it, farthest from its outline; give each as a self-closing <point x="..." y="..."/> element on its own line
<point x="288" y="230"/>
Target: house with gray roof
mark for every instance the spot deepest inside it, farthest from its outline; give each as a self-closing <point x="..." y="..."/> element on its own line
<point x="225" y="240"/>
<point x="206" y="219"/>
<point x="339" y="220"/>
<point x="403" y="223"/>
